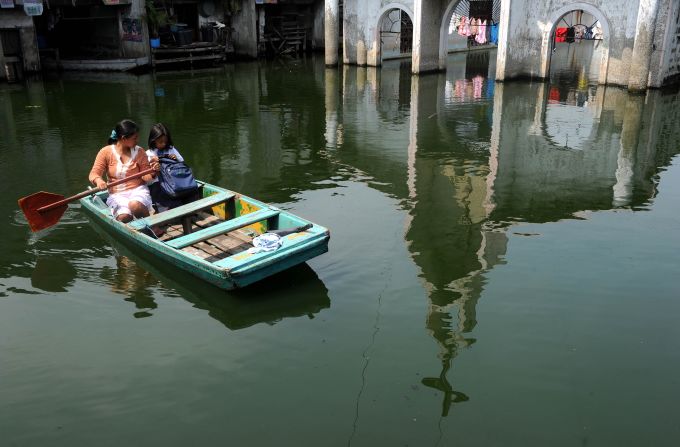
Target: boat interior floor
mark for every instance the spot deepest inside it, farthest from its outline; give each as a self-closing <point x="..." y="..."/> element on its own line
<point x="215" y="248"/>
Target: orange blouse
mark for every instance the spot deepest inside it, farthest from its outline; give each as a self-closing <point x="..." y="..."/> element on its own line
<point x="108" y="162"/>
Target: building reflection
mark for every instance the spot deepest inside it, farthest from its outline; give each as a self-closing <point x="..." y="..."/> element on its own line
<point x="467" y="158"/>
<point x="483" y="156"/>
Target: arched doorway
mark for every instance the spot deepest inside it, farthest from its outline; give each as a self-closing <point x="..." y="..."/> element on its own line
<point x="472" y="24"/>
<point x="396" y="34"/>
<point x="460" y="33"/>
<point x="577" y="46"/>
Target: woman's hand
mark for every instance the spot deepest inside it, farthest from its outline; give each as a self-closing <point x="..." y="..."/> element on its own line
<point x="155" y="165"/>
<point x="101" y="184"/>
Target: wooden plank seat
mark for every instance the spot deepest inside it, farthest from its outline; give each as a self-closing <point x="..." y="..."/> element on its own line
<point x="222" y="228"/>
<point x="180" y="211"/>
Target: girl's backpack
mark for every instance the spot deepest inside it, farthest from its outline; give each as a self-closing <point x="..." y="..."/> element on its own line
<point x="176" y="178"/>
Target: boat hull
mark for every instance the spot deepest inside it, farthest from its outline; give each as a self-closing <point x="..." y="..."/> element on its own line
<point x="236" y="271"/>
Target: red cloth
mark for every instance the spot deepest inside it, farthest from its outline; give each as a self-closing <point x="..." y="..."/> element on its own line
<point x="554" y="95"/>
<point x="561" y="35"/>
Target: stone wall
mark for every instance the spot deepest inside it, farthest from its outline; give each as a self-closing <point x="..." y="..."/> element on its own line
<point x="668" y="66"/>
<point x="17" y="19"/>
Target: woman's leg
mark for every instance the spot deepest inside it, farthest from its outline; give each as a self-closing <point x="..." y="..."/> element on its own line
<point x="138" y="209"/>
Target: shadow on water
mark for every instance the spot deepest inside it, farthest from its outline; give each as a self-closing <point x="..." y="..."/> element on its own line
<point x="141" y="277"/>
<point x="53" y="274"/>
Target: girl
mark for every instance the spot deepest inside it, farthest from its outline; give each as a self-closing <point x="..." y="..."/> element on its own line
<point x="160" y="144"/>
<point x="116" y="161"/>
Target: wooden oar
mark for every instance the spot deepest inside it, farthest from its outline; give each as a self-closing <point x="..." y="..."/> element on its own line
<point x="44" y="209"/>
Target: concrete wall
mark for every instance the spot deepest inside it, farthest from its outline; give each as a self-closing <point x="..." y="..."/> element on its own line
<point x="17" y="19"/>
<point x="527" y="37"/>
<point x="318" y="12"/>
<point x="135" y="49"/>
<point x="245" y="30"/>
<point x="666" y="67"/>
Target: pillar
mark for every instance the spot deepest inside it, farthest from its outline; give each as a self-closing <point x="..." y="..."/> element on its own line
<point x="426" y="36"/>
<point x="331" y="102"/>
<point x="625" y="161"/>
<point x="642" y="48"/>
<point x="331" y="27"/>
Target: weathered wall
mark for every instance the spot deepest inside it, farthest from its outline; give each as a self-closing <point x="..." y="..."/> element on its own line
<point x="525" y="36"/>
<point x="135" y="49"/>
<point x="244" y="23"/>
<point x="530" y="24"/>
<point x="17" y="19"/>
<point x="318" y="25"/>
<point x="427" y="35"/>
<point x="666" y="67"/>
<point x="525" y="47"/>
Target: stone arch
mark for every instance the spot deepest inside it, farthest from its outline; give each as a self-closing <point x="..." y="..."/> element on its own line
<point x="550" y="27"/>
<point x="444" y="32"/>
<point x="384" y="11"/>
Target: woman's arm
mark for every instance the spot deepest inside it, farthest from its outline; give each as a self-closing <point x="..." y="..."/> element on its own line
<point x="98" y="170"/>
<point x="143" y="163"/>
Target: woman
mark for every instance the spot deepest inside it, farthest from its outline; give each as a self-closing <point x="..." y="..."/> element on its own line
<point x="122" y="157"/>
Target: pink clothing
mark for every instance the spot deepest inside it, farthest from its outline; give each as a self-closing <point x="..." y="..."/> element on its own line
<point x="461" y="27"/>
<point x="481" y="33"/>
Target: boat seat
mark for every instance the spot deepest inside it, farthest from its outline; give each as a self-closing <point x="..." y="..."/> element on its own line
<point x="223" y="227"/>
<point x="180" y="211"/>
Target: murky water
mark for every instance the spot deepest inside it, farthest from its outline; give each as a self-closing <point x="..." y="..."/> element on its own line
<point x="503" y="268"/>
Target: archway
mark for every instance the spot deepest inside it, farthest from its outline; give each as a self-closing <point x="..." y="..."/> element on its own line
<point x="576" y="46"/>
<point x="395" y="34"/>
<point x="459" y="33"/>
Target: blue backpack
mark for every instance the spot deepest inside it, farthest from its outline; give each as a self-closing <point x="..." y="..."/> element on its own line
<point x="176" y="178"/>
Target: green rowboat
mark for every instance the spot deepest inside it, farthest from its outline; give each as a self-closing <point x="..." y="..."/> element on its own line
<point x="211" y="237"/>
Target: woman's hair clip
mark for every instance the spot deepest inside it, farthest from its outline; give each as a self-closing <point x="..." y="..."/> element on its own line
<point x="114" y="135"/>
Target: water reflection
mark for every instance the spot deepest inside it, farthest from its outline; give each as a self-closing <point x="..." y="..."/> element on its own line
<point x="52" y="274"/>
<point x="466" y="157"/>
<point x="482" y="156"/>
<point x="141" y="279"/>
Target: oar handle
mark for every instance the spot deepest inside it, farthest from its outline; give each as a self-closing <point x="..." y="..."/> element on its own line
<point x="90" y="192"/>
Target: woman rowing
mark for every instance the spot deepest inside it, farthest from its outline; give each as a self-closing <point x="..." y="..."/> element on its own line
<point x="119" y="159"/>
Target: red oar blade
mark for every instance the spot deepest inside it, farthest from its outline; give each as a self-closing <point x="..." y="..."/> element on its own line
<point x="45" y="219"/>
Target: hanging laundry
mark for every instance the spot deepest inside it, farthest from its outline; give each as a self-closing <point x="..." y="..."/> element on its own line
<point x="466" y="28"/>
<point x="461" y="27"/>
<point x="589" y="33"/>
<point x="481" y="33"/>
<point x="561" y="35"/>
<point x="554" y="95"/>
<point x="570" y="35"/>
<point x="493" y="35"/>
<point x="473" y="27"/>
<point x="579" y="32"/>
<point x="490" y="86"/>
<point x="458" y="88"/>
<point x="477" y="83"/>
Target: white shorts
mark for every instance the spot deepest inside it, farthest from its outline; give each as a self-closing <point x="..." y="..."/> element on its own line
<point x="119" y="201"/>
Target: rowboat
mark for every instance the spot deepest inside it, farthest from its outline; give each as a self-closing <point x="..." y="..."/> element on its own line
<point x="212" y="237"/>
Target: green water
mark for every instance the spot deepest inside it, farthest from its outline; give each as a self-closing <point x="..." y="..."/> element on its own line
<point x="503" y="267"/>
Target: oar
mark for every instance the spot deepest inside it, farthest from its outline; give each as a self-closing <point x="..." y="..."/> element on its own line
<point x="44" y="209"/>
